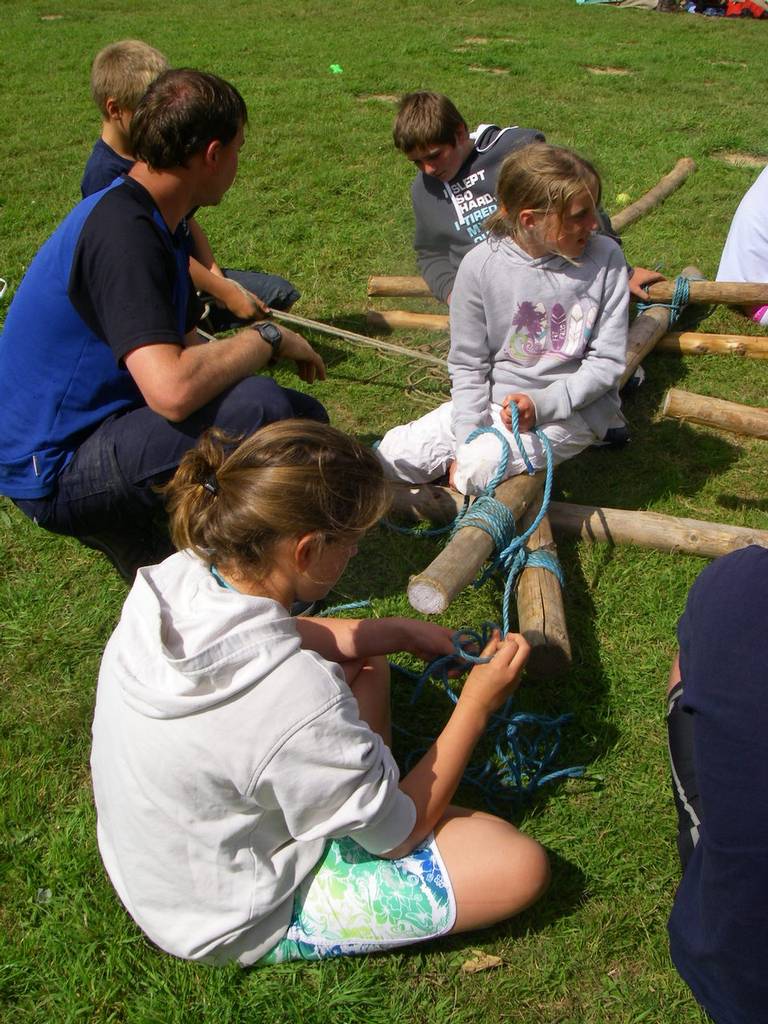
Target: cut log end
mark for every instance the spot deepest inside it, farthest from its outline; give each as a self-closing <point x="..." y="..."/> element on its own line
<point x="427" y="596"/>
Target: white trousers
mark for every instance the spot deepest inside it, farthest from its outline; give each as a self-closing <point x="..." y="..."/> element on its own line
<point x="422" y="450"/>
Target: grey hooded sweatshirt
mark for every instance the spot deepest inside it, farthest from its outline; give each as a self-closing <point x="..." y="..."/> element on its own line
<point x="551" y="328"/>
<point x="224" y="756"/>
<point x="449" y="215"/>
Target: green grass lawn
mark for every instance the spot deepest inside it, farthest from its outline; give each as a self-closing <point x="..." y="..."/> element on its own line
<point x="322" y="197"/>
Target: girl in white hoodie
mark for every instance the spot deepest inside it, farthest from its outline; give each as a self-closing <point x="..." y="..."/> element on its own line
<point x="248" y="804"/>
<point x="538" y="321"/>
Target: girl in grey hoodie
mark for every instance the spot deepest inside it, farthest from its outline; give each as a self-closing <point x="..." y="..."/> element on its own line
<point x="538" y="321"/>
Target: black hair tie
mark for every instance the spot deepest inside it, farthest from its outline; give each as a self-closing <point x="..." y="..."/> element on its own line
<point x="211" y="484"/>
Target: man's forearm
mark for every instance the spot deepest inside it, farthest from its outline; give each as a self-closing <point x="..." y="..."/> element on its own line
<point x="177" y="381"/>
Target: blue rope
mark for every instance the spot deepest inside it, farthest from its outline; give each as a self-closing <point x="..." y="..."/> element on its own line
<point x="328" y="612"/>
<point x="680" y="298"/>
<point x="524" y="745"/>
<point x="490" y="515"/>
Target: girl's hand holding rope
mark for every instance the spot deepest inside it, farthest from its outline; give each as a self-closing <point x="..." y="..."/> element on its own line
<point x="489" y="685"/>
<point x="425" y="640"/>
<point x="526" y="411"/>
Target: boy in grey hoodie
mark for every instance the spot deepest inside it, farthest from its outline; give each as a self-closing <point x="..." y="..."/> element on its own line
<point x="455" y="191"/>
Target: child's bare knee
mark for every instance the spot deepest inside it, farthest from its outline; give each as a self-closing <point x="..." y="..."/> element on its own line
<point x="535" y="870"/>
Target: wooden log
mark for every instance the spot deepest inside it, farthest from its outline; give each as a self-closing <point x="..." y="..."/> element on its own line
<point x="666" y="186"/>
<point x="715" y="412"/>
<point x="646" y="330"/>
<point x="425" y="502"/>
<point x="386" y="319"/>
<point x="432" y="590"/>
<point x="733" y="293"/>
<point x="391" y="285"/>
<point x="540" y="608"/>
<point x="695" y="343"/>
<point x="360" y="339"/>
<point x="594" y="523"/>
<point x="652" y="530"/>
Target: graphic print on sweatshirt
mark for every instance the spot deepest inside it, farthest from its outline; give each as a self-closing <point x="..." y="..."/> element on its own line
<point x="561" y="333"/>
<point x="473" y="203"/>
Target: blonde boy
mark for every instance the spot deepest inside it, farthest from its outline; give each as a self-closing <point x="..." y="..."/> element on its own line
<point x="120" y="75"/>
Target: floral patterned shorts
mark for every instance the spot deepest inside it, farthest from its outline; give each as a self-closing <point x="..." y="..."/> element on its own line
<point x="353" y="902"/>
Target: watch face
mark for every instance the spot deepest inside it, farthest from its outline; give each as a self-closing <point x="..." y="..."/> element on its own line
<point x="269" y="333"/>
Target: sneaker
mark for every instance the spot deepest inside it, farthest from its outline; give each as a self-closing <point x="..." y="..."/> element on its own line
<point x="634" y="383"/>
<point x="128" y="552"/>
<point x="615" y="437"/>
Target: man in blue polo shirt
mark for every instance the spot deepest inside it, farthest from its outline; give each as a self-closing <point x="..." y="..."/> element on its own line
<point x="104" y="381"/>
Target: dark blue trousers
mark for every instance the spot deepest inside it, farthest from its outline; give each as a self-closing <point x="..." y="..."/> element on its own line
<point x="109" y="485"/>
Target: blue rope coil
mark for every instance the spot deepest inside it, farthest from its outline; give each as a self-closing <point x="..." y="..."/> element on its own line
<point x="524" y="745"/>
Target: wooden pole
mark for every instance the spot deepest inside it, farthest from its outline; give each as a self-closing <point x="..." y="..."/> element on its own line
<point x="431" y="591"/>
<point x="360" y="339"/>
<point x="666" y="186"/>
<point x="646" y="330"/>
<point x="540" y="608"/>
<point x="425" y="502"/>
<point x="386" y="319"/>
<point x="734" y="293"/>
<point x="715" y="412"/>
<point x="695" y="343"/>
<point x="652" y="530"/>
<point x="385" y="285"/>
<point x="593" y="523"/>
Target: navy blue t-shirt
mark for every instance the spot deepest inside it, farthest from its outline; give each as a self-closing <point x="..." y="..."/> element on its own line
<point x="719" y="924"/>
<point x="104" y="165"/>
<point x="110" y="279"/>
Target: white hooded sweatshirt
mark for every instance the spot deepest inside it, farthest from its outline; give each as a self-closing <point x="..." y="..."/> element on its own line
<point x="224" y="756"/>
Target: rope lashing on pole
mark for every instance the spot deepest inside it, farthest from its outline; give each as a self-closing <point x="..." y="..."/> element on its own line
<point x="495" y="519"/>
<point x="679" y="300"/>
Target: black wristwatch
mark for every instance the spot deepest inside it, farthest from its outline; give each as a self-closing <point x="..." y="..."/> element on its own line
<point x="272" y="335"/>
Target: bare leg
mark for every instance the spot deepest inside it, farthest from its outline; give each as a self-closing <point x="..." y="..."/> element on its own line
<point x="368" y="679"/>
<point x="495" y="870"/>
<point x="674" y="673"/>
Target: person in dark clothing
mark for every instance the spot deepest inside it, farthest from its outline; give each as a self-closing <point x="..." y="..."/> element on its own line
<point x="717" y="720"/>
